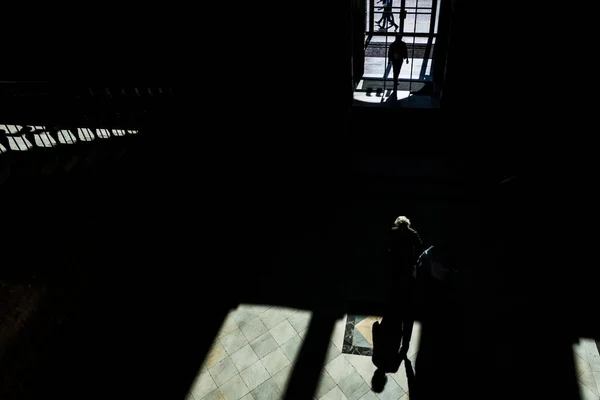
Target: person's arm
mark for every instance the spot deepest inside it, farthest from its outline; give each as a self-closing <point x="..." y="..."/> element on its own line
<point x="417" y="244"/>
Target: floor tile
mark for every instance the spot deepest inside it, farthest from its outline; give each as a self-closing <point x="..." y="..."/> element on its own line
<point x="303" y="334"/>
<point x="300" y="320"/>
<point x="215" y="354"/>
<point x="326" y="383"/>
<point x="415" y="339"/>
<point x="332" y="353"/>
<point x="339" y="368"/>
<point x="255" y="375"/>
<point x="334" y="394"/>
<point x="234" y="341"/>
<point x="580" y="365"/>
<point x="365" y="327"/>
<point x="400" y="377"/>
<point x="580" y="350"/>
<point x="228" y="326"/>
<point x="405" y="397"/>
<point x="361" y="341"/>
<point x="260" y="308"/>
<point x="589" y="381"/>
<point x="272" y="317"/>
<point x="593" y="358"/>
<point x="267" y="391"/>
<point x="337" y="337"/>
<point x="354" y="386"/>
<point x="244" y="357"/>
<point x="203" y="385"/>
<point x="589" y="345"/>
<point x="283" y="332"/>
<point x="214" y="395"/>
<point x="369" y="396"/>
<point x="288" y="312"/>
<point x="597" y="380"/>
<point x="275" y="361"/>
<point x="242" y="316"/>
<point x="264" y="345"/>
<point x="292" y="347"/>
<point x="586" y="394"/>
<point x="253" y="329"/>
<point x="252" y="309"/>
<point x="392" y="391"/>
<point x="248" y="397"/>
<point x="282" y="377"/>
<point x="234" y="389"/>
<point x="223" y="371"/>
<point x="363" y="365"/>
<point x="413" y="359"/>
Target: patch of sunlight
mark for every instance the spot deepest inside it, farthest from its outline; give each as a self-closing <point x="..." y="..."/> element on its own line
<point x="253" y="352"/>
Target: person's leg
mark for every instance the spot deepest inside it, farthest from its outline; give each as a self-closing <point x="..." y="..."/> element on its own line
<point x="387" y="335"/>
<point x="392" y="20"/>
<point x="407" y="329"/>
<point x="385" y="20"/>
<point x="383" y="17"/>
<point x="391" y="337"/>
<point x="397" y="66"/>
<point x="408" y="319"/>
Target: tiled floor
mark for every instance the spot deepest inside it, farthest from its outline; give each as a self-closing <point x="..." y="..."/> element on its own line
<point x="255" y="350"/>
<point x="587" y="367"/>
<point x="253" y="355"/>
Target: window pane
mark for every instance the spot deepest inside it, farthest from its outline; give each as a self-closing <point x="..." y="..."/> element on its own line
<point x="423" y="23"/>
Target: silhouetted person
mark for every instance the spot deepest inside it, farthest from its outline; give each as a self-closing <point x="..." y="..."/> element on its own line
<point x="403" y="13"/>
<point x="383" y="15"/>
<point x="387" y="15"/>
<point x="404" y="246"/>
<point x="397" y="52"/>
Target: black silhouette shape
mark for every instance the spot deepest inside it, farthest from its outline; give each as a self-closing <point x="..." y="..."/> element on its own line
<point x="398" y="319"/>
<point x="378" y="381"/>
<point x="397" y="53"/>
<point x="387" y="16"/>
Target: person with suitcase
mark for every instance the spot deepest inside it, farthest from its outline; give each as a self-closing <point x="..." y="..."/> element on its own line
<point x="395" y="329"/>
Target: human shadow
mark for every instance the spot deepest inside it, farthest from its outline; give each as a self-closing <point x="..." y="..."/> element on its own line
<point x="378" y="381"/>
<point x="411" y="380"/>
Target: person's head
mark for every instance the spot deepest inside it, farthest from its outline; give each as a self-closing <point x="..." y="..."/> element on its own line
<point x="402" y="222"/>
<point x="399" y="37"/>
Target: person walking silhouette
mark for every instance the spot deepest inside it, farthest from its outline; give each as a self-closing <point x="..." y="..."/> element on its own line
<point x="387" y="16"/>
<point x="397" y="53"/>
<point x="404" y="246"/>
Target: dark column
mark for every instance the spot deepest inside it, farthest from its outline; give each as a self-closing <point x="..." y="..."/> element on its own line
<point x="402" y="7"/>
<point x="350" y="52"/>
<point x="359" y="10"/>
<point x="440" y="49"/>
<point x="456" y="54"/>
